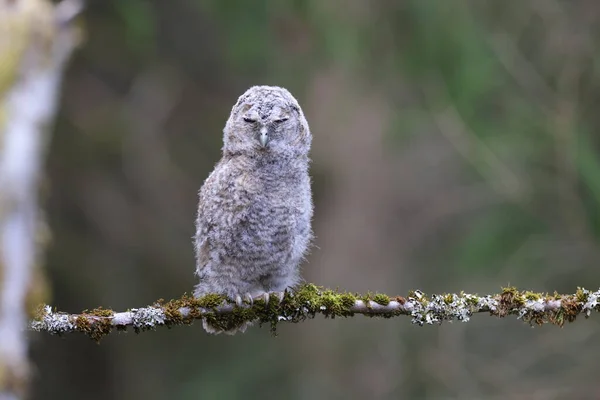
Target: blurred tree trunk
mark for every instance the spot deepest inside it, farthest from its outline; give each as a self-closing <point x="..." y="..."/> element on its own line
<point x="36" y="39"/>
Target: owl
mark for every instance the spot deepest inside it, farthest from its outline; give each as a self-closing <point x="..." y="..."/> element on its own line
<point x="253" y="226"/>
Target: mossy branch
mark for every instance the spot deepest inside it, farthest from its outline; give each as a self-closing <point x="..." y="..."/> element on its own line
<point x="309" y="300"/>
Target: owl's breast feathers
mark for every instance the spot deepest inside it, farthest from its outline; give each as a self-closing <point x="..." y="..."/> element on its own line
<point x="255" y="216"/>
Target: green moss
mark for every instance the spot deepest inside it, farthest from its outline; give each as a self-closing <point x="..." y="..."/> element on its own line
<point x="506" y="301"/>
<point x="196" y="307"/>
<point x="334" y="304"/>
<point x="510" y="290"/>
<point x="471" y="300"/>
<point x="581" y="295"/>
<point x="570" y="308"/>
<point x="516" y="297"/>
<point x="96" y="323"/>
<point x="232" y="320"/>
<point x="94" y="326"/>
<point x="556" y="296"/>
<point x="532" y="296"/>
<point x="83" y="324"/>
<point x="209" y="301"/>
<point x="537" y="318"/>
<point x="557" y="318"/>
<point x="101" y="312"/>
<point x="348" y="300"/>
<point x="172" y="309"/>
<point x="381" y="299"/>
<point x="174" y="316"/>
<point x="307" y="292"/>
<point x="307" y="299"/>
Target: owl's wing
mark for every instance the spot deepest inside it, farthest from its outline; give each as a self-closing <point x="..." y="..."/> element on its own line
<point x="204" y="223"/>
<point x="219" y="208"/>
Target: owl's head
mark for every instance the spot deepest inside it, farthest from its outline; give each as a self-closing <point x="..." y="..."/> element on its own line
<point x="267" y="120"/>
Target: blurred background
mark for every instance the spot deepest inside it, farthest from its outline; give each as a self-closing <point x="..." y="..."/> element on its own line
<point x="455" y="148"/>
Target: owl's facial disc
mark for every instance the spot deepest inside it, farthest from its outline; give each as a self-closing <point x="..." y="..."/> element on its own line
<point x="278" y="116"/>
<point x="250" y="115"/>
<point x="264" y="124"/>
<point x="269" y="125"/>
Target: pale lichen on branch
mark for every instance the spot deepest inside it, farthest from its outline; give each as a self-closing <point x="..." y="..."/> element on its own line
<point x="309" y="300"/>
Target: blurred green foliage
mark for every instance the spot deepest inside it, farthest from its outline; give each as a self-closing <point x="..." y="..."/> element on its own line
<point x="140" y="22"/>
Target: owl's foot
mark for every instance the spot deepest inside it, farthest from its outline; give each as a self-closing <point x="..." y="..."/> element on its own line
<point x="247" y="298"/>
<point x="280" y="296"/>
<point x="277" y="296"/>
<point x="267" y="297"/>
<point x="239" y="301"/>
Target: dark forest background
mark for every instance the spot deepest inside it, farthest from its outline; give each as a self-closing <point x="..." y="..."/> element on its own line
<point x="455" y="148"/>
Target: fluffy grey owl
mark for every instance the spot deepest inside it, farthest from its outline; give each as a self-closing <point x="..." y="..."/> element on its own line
<point x="254" y="214"/>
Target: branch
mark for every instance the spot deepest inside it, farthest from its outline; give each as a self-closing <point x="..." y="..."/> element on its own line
<point x="309" y="300"/>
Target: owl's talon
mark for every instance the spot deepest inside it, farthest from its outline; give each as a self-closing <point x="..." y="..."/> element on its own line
<point x="265" y="296"/>
<point x="280" y="296"/>
<point x="248" y="299"/>
<point x="238" y="300"/>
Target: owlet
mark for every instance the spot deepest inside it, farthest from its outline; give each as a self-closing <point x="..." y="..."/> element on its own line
<point x="254" y="214"/>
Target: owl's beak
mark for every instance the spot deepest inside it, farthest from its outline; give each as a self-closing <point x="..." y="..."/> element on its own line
<point x="264" y="136"/>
